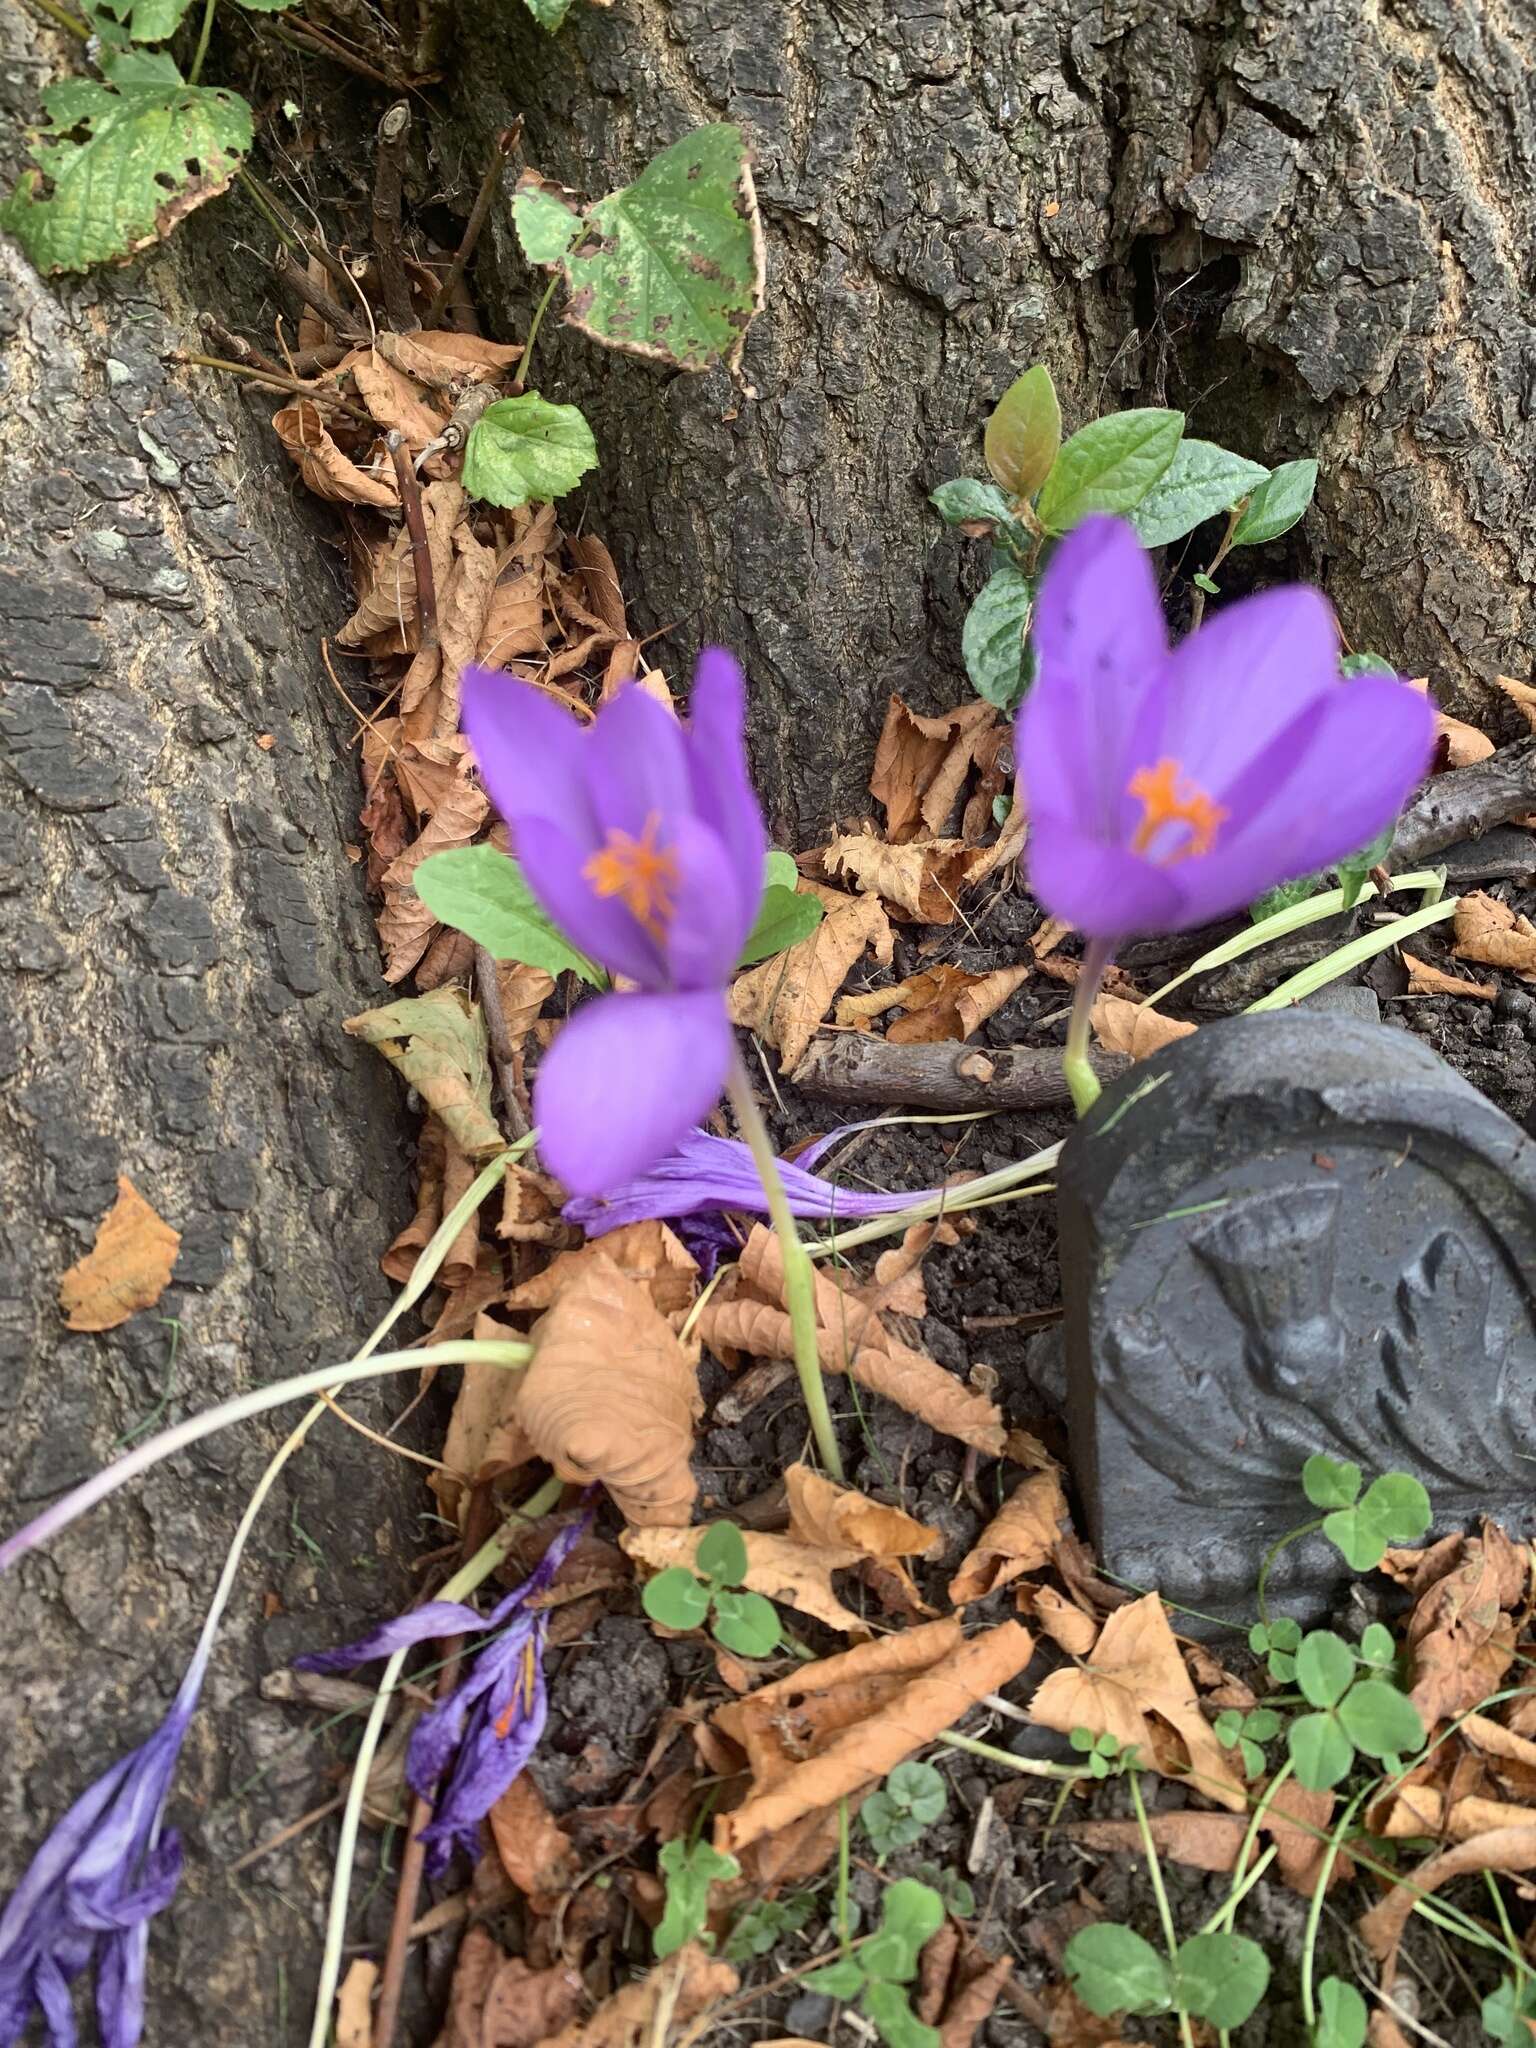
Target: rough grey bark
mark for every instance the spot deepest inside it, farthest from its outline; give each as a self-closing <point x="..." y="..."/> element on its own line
<point x="180" y="936"/>
<point x="1305" y="222"/>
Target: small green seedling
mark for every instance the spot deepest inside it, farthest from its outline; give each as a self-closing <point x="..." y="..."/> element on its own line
<point x="760" y="1929"/>
<point x="1509" y="2014"/>
<point x="1219" y="1977"/>
<point x="959" y="1899"/>
<point x="1354" y="1712"/>
<point x="1247" y="1734"/>
<point x="904" y="1807"/>
<point x="1106" y="1759"/>
<point x="1278" y="1642"/>
<point x="1343" y="2019"/>
<point x="879" y="1970"/>
<point x="1393" y="1509"/>
<point x="683" y="1599"/>
<point x="688" y="1870"/>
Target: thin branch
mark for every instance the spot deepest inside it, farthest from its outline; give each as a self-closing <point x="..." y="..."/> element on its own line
<point x="315" y="296"/>
<point x="388" y="248"/>
<point x="503" y="1055"/>
<point x="412" y="1861"/>
<point x="506" y="142"/>
<point x="416" y="527"/>
<point x="277" y="382"/>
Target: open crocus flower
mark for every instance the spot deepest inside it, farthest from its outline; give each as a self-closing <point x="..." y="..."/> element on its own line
<point x="486" y="1729"/>
<point x="1168" y="788"/>
<point x="644" y="842"/>
<point x="92" y="1889"/>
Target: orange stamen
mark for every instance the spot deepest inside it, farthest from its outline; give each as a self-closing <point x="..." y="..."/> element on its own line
<point x="1158" y="790"/>
<point x="643" y="876"/>
<point x="522" y="1699"/>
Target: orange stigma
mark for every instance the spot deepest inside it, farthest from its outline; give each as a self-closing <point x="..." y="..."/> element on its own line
<point x="521" y="1701"/>
<point x="643" y="876"/>
<point x="1158" y="790"/>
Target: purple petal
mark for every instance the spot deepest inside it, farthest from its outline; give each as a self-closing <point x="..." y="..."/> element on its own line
<point x="1102" y="890"/>
<point x="623" y="1082"/>
<point x="716" y="748"/>
<point x="530" y="752"/>
<point x="436" y="1618"/>
<point x="504" y="1735"/>
<point x="635" y="765"/>
<point x="713" y="914"/>
<point x="599" y="925"/>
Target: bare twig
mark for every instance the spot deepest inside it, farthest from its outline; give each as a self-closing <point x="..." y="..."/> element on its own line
<point x="856" y="1067"/>
<point x="388" y="176"/>
<point x="503" y="1057"/>
<point x="315" y="296"/>
<point x="300" y="34"/>
<point x="506" y="142"/>
<point x="275" y="381"/>
<point x="392" y="1979"/>
<point x="1464" y="803"/>
<point x="236" y="346"/>
<point x="416" y="527"/>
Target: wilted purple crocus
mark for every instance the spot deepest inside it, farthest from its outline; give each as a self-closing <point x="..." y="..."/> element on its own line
<point x="1168" y="788"/>
<point x="708" y="1173"/>
<point x="490" y="1724"/>
<point x="92" y="1889"/>
<point x="644" y="842"/>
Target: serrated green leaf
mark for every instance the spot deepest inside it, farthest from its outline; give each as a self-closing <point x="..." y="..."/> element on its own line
<point x="891" y="2010"/>
<point x="267" y="6"/>
<point x="1325" y="1668"/>
<point x="1109" y="466"/>
<point x="747" y="1623"/>
<point x="993" y="637"/>
<point x="549" y="14"/>
<point x="1342" y="2016"/>
<point x="1221" y="1977"/>
<point x="482" y="892"/>
<point x="689" y="1869"/>
<point x="722" y="1554"/>
<point x="1277" y="504"/>
<point x="104" y="197"/>
<point x="525" y="448"/>
<point x="672" y="265"/>
<point x="676" y="1598"/>
<point x="1201" y="481"/>
<point x="1112" y="1969"/>
<point x="1320" y="1750"/>
<point x="1331" y="1482"/>
<point x="784" y="918"/>
<point x="148" y="21"/>
<point x="1281" y="897"/>
<point x="1379" y="1720"/>
<point x="1023" y="435"/>
<point x="547" y="223"/>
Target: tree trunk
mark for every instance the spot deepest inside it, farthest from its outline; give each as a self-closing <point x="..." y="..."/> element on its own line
<point x="1304" y="224"/>
<point x="180" y="935"/>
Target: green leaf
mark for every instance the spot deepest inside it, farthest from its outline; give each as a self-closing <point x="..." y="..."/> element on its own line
<point x="1113" y="1970"/>
<point x="784" y="918"/>
<point x="1398" y="1506"/>
<point x="548" y="13"/>
<point x="1221" y="1977"/>
<point x="1201" y="481"/>
<point x="1329" y="1482"/>
<point x="1109" y="466"/>
<point x="676" y="1598"/>
<point x="968" y="501"/>
<point x="1258" y="1639"/>
<point x="1282" y="1667"/>
<point x="1325" y="1668"/>
<point x="1277" y="504"/>
<point x="761" y="1927"/>
<point x="1320" y="1750"/>
<point x="1379" y="1720"/>
<point x="722" y="1554"/>
<point x="547" y="220"/>
<point x="891" y="2010"/>
<point x="1285" y="1634"/>
<point x="1023" y="436"/>
<point x="1262" y="1724"/>
<point x="672" y="265"/>
<point x="747" y="1623"/>
<point x="1206" y="583"/>
<point x="1377" y="1647"/>
<point x="482" y="892"/>
<point x="920" y="1790"/>
<point x="1355" y="872"/>
<point x="689" y="1869"/>
<point x="1281" y="897"/>
<point x="1365" y="664"/>
<point x="268" y="6"/>
<point x="993" y="638"/>
<point x="1229" y="1728"/>
<point x="148" y="21"/>
<point x="1342" y="2016"/>
<point x="842" y="1979"/>
<point x="150" y="152"/>
<point x="525" y="448"/>
<point x="1506" y="2011"/>
<point x="888" y="1825"/>
<point x="911" y="1914"/>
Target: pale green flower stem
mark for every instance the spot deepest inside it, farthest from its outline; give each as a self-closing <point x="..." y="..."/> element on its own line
<point x="1077" y="1060"/>
<point x="799" y="1274"/>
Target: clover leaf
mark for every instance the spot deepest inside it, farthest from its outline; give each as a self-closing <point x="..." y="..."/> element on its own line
<point x="912" y="1798"/>
<point x="680" y="1598"/>
<point x="1355" y="1713"/>
<point x="688" y="1870"/>
<point x="1394" y="1509"/>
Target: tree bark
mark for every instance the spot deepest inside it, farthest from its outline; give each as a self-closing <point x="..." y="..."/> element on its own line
<point x="1304" y="224"/>
<point x="180" y="936"/>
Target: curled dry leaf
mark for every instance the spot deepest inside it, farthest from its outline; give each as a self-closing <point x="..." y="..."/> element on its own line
<point x="329" y="474"/>
<point x="797" y="1575"/>
<point x="1418" y="1810"/>
<point x="354" y="2005"/>
<point x="1133" y="1028"/>
<point x="647" y="1253"/>
<point x="434" y="354"/>
<point x="1021" y="1537"/>
<point x="1461" y="1634"/>
<point x="524" y="2006"/>
<point x="394" y="399"/>
<point x="1459" y="744"/>
<point x="1426" y="980"/>
<point x="1060" y="1619"/>
<point x="839" y="1517"/>
<point x="611" y="1395"/>
<point x="941" y="1003"/>
<point x="485" y="1437"/>
<point x="921" y="764"/>
<point x="436" y="1043"/>
<point x="1134" y="1687"/>
<point x="897" y="1287"/>
<point x="922" y="880"/>
<point x="1504" y="1849"/>
<point x="126" y="1269"/>
<point x="406" y="925"/>
<point x="535" y="1851"/>
<point x="785" y="998"/>
<point x="386" y="620"/>
<point x="1489" y="932"/>
<point x="1521" y="695"/>
<point x="676" y="1990"/>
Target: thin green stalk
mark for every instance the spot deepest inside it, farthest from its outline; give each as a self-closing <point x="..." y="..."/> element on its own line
<point x="464" y="1581"/>
<point x="63" y="17"/>
<point x="1030" y="1767"/>
<point x="1164" y="1910"/>
<point x="844" y="1859"/>
<point x="1077" y="1060"/>
<point x="1315" y="1907"/>
<point x="1355" y="954"/>
<point x="1273" y="1552"/>
<point x="521" y="383"/>
<point x="261" y="199"/>
<point x="1222" y="1917"/>
<point x="799" y="1274"/>
<point x="1224" y="1913"/>
<point x="201" y="51"/>
<point x="973" y="1194"/>
<point x="1502" y="1912"/>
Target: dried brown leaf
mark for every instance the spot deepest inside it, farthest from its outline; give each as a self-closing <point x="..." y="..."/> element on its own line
<point x="679" y="1989"/>
<point x="525" y="2006"/>
<point x="329" y="474"/>
<point x="535" y="1851"/>
<point x="1503" y="1849"/>
<point x="1021" y="1537"/>
<point x="840" y="1518"/>
<point x="1490" y="933"/>
<point x="646" y="1252"/>
<point x="1060" y="1618"/>
<point x="127" y="1268"/>
<point x="1461" y="1635"/>
<point x="611" y="1395"/>
<point x="921" y="880"/>
<point x="386" y="619"/>
<point x="921" y="764"/>
<point x="393" y="399"/>
<point x="485" y="1438"/>
<point x="1522" y="696"/>
<point x="436" y="1043"/>
<point x="1133" y="1028"/>
<point x="432" y="352"/>
<point x="785" y="998"/>
<point x="406" y="925"/>
<point x="354" y="2005"/>
<point x="1427" y="980"/>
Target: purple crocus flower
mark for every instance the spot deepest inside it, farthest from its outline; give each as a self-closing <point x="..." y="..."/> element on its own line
<point x="644" y="842"/>
<point x="1168" y="788"/>
<point x="486" y="1729"/>
<point x="708" y="1173"/>
<point x="92" y="1889"/>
